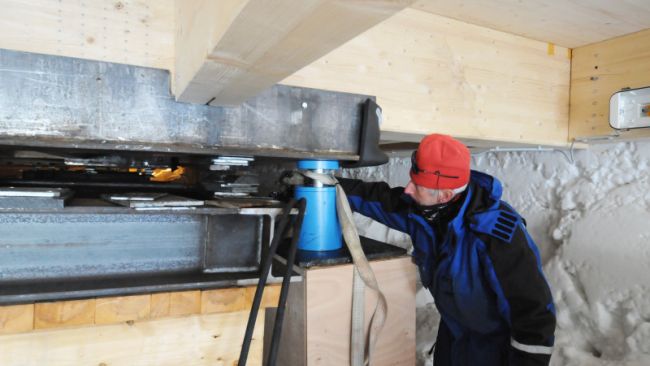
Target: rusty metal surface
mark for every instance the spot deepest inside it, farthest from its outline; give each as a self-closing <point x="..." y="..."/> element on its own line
<point x="61" y="102"/>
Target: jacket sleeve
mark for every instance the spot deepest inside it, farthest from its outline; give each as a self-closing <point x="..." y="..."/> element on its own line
<point x="378" y="201"/>
<point x="525" y="297"/>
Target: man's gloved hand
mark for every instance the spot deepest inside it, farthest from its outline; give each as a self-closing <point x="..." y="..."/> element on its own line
<point x="292" y="178"/>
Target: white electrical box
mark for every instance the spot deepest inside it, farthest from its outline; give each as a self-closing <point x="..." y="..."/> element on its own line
<point x="630" y="109"/>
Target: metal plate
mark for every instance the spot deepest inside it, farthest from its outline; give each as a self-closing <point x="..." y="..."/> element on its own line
<point x="229" y="242"/>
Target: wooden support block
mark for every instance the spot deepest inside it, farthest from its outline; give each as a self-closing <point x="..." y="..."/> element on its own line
<point x="318" y="316"/>
<point x="16" y="318"/>
<point x="329" y="300"/>
<point x="64" y="313"/>
<point x="185" y="303"/>
<point x="270" y="296"/>
<point x="120" y="309"/>
<point x="225" y="300"/>
<point x="160" y="305"/>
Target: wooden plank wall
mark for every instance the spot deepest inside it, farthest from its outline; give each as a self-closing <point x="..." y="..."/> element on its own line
<point x="598" y="71"/>
<point x="434" y="74"/>
<point x="135" y="32"/>
<point x="177" y="328"/>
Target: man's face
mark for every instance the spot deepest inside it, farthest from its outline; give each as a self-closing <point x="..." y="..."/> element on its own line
<point x="427" y="197"/>
<point x="423" y="196"/>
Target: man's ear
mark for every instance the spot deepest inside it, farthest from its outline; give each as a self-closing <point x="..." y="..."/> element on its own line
<point x="446" y="195"/>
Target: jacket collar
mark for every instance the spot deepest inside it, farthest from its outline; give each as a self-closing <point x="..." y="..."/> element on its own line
<point x="484" y="193"/>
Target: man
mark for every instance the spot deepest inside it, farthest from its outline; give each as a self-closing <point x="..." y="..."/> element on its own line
<point x="474" y="255"/>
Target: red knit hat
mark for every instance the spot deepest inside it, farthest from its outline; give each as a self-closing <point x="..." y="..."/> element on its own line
<point x="440" y="162"/>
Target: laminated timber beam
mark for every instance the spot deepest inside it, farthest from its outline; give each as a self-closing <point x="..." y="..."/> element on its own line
<point x="229" y="51"/>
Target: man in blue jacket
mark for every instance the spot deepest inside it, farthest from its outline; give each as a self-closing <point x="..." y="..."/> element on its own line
<point x="474" y="255"/>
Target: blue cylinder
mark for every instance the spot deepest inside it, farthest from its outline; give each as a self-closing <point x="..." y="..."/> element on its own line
<point x="320" y="229"/>
<point x="318" y="164"/>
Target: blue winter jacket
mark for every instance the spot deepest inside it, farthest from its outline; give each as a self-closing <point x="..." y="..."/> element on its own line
<point x="485" y="274"/>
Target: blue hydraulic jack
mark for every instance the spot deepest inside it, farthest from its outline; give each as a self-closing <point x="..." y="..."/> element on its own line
<point x="321" y="230"/>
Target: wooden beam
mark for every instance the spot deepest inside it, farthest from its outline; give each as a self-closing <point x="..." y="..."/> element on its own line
<point x="598" y="71"/>
<point x="64" y="314"/>
<point x="16" y="318"/>
<point x="110" y="310"/>
<point x="172" y="328"/>
<point x="228" y="51"/>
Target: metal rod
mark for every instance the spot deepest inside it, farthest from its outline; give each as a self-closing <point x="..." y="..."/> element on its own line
<point x="266" y="267"/>
<point x="284" y="292"/>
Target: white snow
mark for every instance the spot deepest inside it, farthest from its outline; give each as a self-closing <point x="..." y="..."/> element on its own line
<point x="591" y="222"/>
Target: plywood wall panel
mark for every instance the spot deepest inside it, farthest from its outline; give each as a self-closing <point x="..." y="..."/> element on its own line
<point x="568" y="23"/>
<point x="598" y="71"/>
<point x="434" y="74"/>
<point x="136" y="32"/>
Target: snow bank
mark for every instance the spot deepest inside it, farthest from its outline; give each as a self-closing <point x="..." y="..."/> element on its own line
<point x="591" y="221"/>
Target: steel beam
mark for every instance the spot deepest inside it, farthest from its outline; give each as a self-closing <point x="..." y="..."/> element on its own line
<point x="48" y="254"/>
<point x="62" y="102"/>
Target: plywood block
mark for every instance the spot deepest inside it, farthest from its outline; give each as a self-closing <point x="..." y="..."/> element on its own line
<point x="435" y="74"/>
<point x="598" y="71"/>
<point x="160" y="304"/>
<point x="229" y="51"/>
<point x="328" y="304"/>
<point x="199" y="340"/>
<point x="185" y="303"/>
<point x="131" y="32"/>
<point x="64" y="313"/>
<point x="120" y="309"/>
<point x="16" y="318"/>
<point x="225" y="300"/>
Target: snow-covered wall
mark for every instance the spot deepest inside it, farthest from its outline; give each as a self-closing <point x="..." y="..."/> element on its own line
<point x="591" y="220"/>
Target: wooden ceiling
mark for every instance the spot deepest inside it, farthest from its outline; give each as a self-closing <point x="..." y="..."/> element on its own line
<point x="568" y="23"/>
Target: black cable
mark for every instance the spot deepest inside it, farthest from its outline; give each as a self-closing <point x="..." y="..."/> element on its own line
<point x="266" y="265"/>
<point x="264" y="273"/>
<point x="284" y="292"/>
